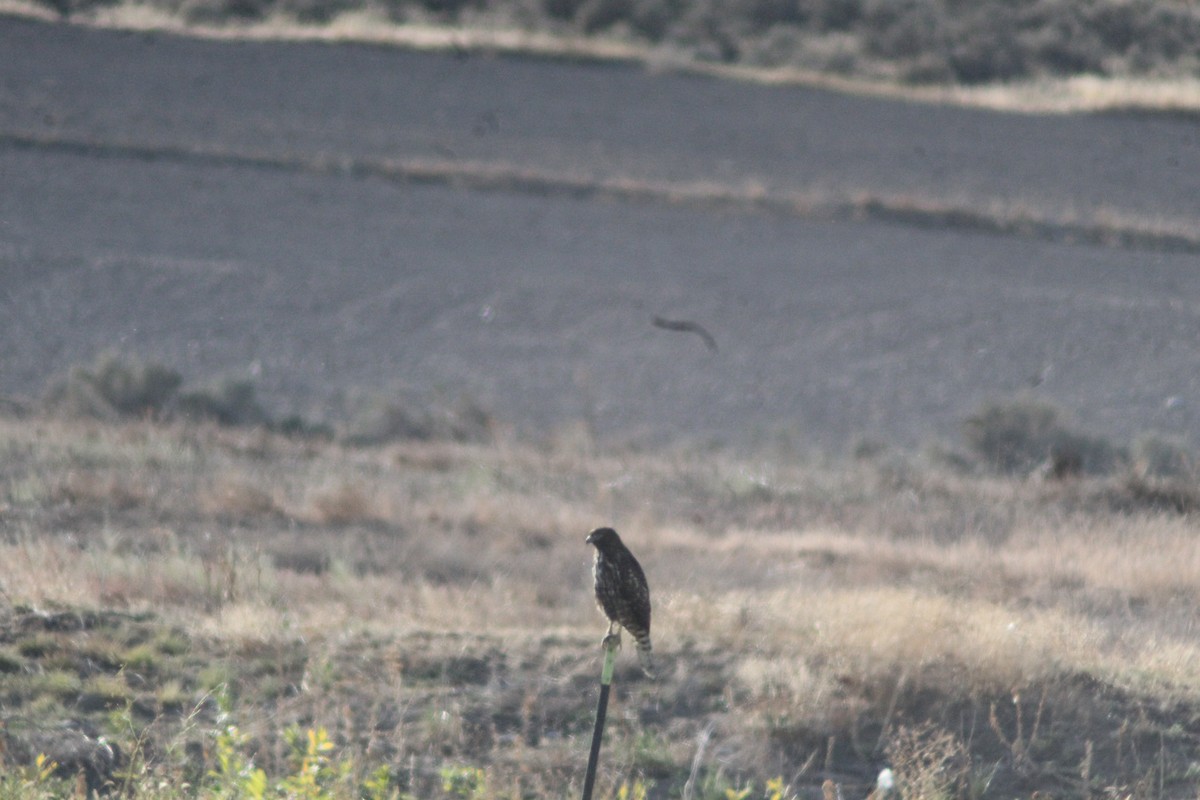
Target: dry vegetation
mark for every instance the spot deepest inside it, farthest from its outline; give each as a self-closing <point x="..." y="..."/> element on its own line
<point x="427" y="604"/>
<point x="1053" y="55"/>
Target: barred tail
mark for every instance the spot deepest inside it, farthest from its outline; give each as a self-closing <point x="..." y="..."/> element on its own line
<point x="644" y="655"/>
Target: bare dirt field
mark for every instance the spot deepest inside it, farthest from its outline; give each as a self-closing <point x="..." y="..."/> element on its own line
<point x="302" y="215"/>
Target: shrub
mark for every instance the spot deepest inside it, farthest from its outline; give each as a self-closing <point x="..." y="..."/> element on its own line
<point x="1136" y="493"/>
<point x="230" y="402"/>
<point x="136" y="389"/>
<point x="296" y="426"/>
<point x="383" y="421"/>
<point x="1161" y="457"/>
<point x="1020" y="435"/>
<point x="386" y="421"/>
<point x="114" y="388"/>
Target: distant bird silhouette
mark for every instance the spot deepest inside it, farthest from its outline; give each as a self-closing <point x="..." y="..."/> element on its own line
<point x="687" y="326"/>
<point x="622" y="592"/>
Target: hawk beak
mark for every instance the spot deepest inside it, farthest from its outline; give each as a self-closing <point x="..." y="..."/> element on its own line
<point x="591" y="538"/>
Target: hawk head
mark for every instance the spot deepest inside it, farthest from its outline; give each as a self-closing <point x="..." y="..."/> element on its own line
<point x="603" y="538"/>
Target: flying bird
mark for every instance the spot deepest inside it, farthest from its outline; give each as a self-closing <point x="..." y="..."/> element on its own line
<point x="686" y="326"/>
<point x="622" y="593"/>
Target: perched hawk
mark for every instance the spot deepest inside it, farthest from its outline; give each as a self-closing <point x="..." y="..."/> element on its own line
<point x="622" y="593"/>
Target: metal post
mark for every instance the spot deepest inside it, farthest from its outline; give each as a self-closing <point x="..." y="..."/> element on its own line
<point x="610" y="658"/>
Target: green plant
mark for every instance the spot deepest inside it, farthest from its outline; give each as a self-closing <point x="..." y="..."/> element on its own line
<point x="378" y="785"/>
<point x="715" y="784"/>
<point x="314" y="772"/>
<point x="651" y="752"/>
<point x="216" y="677"/>
<point x="234" y="775"/>
<point x="638" y="790"/>
<point x="135" y="768"/>
<point x="467" y="783"/>
<point x="776" y="789"/>
<point x="171" y="643"/>
<point x="33" y="781"/>
<point x="141" y="658"/>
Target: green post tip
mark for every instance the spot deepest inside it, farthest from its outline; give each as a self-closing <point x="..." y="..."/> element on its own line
<point x="610" y="660"/>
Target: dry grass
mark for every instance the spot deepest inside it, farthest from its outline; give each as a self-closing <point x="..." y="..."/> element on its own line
<point x="808" y="613"/>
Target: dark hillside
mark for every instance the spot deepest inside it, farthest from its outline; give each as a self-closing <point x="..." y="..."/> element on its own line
<point x="914" y="41"/>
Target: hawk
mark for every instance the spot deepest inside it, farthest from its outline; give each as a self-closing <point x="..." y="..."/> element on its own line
<point x="622" y="593"/>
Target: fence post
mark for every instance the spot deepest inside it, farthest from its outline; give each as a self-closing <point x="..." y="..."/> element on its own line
<point x="610" y="658"/>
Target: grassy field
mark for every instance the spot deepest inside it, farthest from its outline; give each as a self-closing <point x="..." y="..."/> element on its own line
<point x="198" y="610"/>
<point x="1046" y="55"/>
